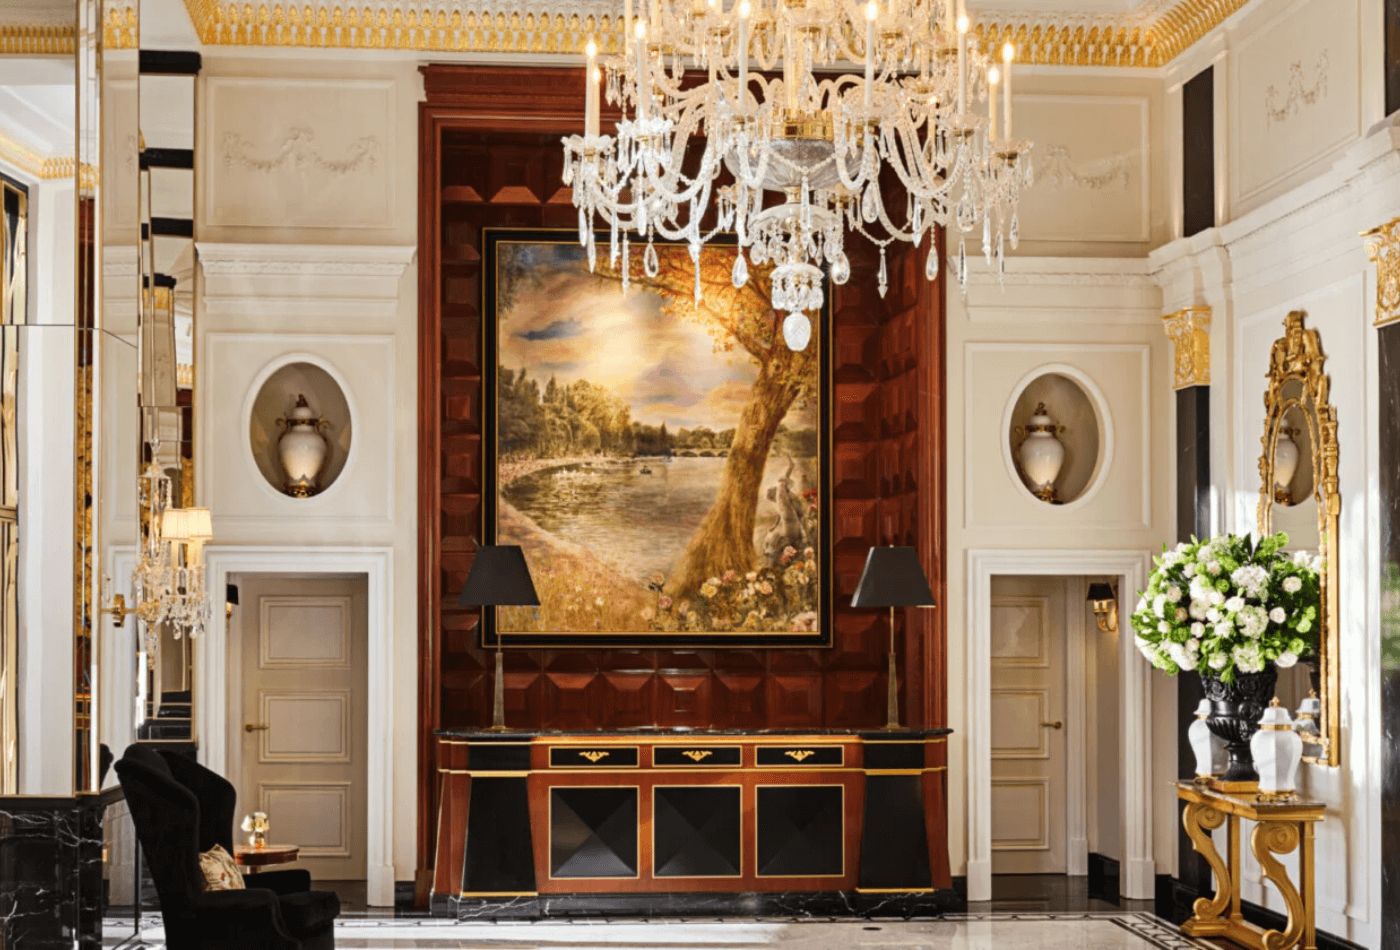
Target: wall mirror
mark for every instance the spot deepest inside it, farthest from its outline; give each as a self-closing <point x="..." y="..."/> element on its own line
<point x="1298" y="493"/>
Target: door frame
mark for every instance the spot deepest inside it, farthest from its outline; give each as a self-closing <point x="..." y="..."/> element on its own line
<point x="1137" y="880"/>
<point x="219" y="698"/>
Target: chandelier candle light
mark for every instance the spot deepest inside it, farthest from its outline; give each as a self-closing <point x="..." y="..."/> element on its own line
<point x="790" y="155"/>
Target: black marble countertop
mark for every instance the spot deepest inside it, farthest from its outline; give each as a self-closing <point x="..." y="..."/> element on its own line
<point x="477" y="734"/>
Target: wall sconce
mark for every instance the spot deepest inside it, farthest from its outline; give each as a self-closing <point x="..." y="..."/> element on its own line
<point x="1104" y="603"/>
<point x="230" y="600"/>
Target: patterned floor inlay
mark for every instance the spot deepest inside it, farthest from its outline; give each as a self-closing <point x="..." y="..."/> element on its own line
<point x="1048" y="931"/>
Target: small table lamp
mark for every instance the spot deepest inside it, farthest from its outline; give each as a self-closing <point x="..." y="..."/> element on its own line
<point x="892" y="578"/>
<point x="499" y="578"/>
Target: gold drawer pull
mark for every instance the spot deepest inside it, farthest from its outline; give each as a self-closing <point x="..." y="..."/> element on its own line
<point x="1057" y="724"/>
<point x="799" y="755"/>
<point x="696" y="755"/>
<point x="593" y="756"/>
<point x="255" y="727"/>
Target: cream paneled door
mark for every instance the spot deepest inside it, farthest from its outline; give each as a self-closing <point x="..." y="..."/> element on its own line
<point x="304" y="655"/>
<point x="1028" y="735"/>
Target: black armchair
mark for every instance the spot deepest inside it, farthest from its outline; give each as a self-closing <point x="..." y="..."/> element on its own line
<point x="180" y="808"/>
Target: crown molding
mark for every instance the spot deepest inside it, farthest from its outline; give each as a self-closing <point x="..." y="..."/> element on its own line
<point x="119" y="31"/>
<point x="1147" y="37"/>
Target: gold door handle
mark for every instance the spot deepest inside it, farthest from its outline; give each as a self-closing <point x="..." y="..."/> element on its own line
<point x="255" y="727"/>
<point x="1057" y="724"/>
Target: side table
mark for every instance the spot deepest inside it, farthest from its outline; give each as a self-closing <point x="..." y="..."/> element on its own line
<point x="255" y="859"/>
<point x="1281" y="827"/>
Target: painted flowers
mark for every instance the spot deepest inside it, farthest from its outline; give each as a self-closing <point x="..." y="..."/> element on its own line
<point x="1229" y="605"/>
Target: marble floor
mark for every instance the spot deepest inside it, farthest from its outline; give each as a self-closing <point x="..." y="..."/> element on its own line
<point x="1007" y="931"/>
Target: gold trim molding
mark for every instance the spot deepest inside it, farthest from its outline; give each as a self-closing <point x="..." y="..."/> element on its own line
<point x="1152" y="35"/>
<point x="1383" y="247"/>
<point x="1189" y="331"/>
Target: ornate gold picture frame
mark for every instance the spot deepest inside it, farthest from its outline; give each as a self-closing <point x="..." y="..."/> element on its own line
<point x="1298" y="410"/>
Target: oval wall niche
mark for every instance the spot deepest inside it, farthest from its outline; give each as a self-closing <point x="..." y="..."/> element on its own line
<point x="1077" y="427"/>
<point x="276" y="400"/>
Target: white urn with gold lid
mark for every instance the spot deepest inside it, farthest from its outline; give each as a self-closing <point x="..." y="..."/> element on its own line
<point x="1277" y="751"/>
<point x="1042" y="454"/>
<point x="302" y="449"/>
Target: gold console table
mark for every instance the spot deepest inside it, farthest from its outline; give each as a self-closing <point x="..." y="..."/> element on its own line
<point x="1281" y="827"/>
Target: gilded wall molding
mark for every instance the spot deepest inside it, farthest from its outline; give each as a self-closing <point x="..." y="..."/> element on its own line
<point x="1189" y="331"/>
<point x="1152" y="35"/>
<point x="1383" y="247"/>
<point x="119" y="31"/>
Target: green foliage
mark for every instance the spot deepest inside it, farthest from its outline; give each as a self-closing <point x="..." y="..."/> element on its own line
<point x="581" y="418"/>
<point x="1229" y="605"/>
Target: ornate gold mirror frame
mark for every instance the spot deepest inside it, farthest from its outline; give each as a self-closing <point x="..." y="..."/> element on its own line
<point x="1298" y="387"/>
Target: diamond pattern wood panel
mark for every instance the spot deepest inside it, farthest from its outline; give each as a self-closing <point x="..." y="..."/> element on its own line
<point x="491" y="158"/>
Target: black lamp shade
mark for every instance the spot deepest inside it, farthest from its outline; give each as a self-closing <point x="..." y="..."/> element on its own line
<point x="231" y="595"/>
<point x="892" y="577"/>
<point x="1101" y="591"/>
<point x="499" y="578"/>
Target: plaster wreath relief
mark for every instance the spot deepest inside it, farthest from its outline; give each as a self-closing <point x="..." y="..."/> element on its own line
<point x="1110" y="173"/>
<point x="298" y="150"/>
<point x="1281" y="107"/>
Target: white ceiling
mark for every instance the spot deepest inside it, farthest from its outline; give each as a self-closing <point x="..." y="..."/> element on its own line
<point x="37" y="103"/>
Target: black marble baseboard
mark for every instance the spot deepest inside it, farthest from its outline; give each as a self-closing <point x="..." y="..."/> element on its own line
<point x="1104" y="877"/>
<point x="789" y="905"/>
<point x="1174" y="900"/>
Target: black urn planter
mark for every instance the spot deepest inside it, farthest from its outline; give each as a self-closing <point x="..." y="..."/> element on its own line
<point x="1235" y="710"/>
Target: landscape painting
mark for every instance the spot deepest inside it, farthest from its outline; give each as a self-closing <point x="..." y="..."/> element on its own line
<point x="663" y="463"/>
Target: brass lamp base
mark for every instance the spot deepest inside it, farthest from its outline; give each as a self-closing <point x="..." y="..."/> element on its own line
<point x="892" y="689"/>
<point x="498" y="704"/>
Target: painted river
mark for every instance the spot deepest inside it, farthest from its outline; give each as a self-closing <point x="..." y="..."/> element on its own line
<point x="638" y="514"/>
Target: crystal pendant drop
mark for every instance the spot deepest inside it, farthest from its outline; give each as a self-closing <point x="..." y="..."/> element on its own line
<point x="1015" y="236"/>
<point x="883" y="277"/>
<point x="962" y="263"/>
<point x="592" y="256"/>
<point x="987" y="238"/>
<point x="626" y="263"/>
<point x="840" y="268"/>
<point x="797" y="331"/>
<point x="931" y="265"/>
<point x="869" y="205"/>
<point x="740" y="275"/>
<point x="651" y="264"/>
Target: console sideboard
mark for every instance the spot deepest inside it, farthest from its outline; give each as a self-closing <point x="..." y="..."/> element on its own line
<point x="539" y="824"/>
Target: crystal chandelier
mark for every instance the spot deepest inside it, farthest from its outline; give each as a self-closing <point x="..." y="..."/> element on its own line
<point x="789" y="123"/>
<point x="168" y="580"/>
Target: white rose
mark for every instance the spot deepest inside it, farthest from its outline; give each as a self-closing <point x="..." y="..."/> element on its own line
<point x="1213" y="567"/>
<point x="1193" y="645"/>
<point x="1159" y="605"/>
<point x="1225" y="630"/>
<point x="1174" y="594"/>
<point x="1198" y="629"/>
<point x="1213" y="615"/>
<point x="1187" y="661"/>
<point x="1189" y="570"/>
<point x="1164" y="627"/>
<point x="1198" y="610"/>
<point x="1292" y="584"/>
<point x="1285" y="660"/>
<point x="1217" y="598"/>
<point x="1218" y="661"/>
<point x="1234" y="604"/>
<point x="1278" y="615"/>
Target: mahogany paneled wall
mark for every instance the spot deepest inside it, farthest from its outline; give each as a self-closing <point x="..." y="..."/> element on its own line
<point x="490" y="157"/>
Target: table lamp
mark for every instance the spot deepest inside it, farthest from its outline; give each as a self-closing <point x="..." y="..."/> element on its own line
<point x="499" y="578"/>
<point x="892" y="578"/>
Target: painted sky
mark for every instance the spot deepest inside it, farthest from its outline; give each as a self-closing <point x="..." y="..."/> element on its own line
<point x="573" y="326"/>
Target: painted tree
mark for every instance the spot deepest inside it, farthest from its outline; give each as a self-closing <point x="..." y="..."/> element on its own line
<point x="742" y="319"/>
<point x="738" y="319"/>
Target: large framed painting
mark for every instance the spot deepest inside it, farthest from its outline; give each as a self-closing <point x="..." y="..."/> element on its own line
<point x="664" y="464"/>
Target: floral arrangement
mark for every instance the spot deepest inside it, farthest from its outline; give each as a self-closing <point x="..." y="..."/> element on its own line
<point x="767" y="598"/>
<point x="257" y="826"/>
<point x="1229" y="605"/>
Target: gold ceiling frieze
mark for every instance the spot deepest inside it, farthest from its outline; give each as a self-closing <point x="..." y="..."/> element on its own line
<point x="36" y="40"/>
<point x="18" y="155"/>
<point x="1150" y="36"/>
<point x="119" y="31"/>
